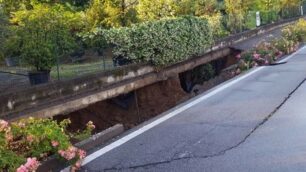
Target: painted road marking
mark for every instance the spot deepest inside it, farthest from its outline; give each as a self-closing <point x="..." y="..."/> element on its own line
<point x="164" y="118"/>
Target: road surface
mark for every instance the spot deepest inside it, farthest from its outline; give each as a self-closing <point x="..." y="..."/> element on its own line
<point x="254" y="41"/>
<point x="255" y="122"/>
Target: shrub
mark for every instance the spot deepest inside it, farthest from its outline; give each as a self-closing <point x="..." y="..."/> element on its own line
<point x="203" y="73"/>
<point x="159" y="42"/>
<point x="24" y="143"/>
<point x="286" y="45"/>
<point x="295" y="32"/>
<point x="264" y="54"/>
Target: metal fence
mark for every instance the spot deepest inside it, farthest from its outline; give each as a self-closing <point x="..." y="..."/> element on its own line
<point x="14" y="73"/>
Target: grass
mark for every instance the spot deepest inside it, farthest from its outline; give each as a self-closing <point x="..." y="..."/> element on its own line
<point x="67" y="70"/>
<point x="80" y="69"/>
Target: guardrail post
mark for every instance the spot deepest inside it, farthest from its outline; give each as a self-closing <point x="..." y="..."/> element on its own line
<point x="258" y="19"/>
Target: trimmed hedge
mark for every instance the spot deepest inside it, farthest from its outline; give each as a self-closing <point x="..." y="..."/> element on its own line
<point x="159" y="42"/>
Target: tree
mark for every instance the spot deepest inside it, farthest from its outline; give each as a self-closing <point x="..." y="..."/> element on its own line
<point x="111" y="13"/>
<point x="45" y="35"/>
<point x="206" y="7"/>
<point x="289" y="3"/>
<point x="95" y="15"/>
<point x="184" y="7"/>
<point x="235" y="14"/>
<point x="120" y="12"/>
<point x="71" y="19"/>
<point x="4" y="31"/>
<point x="155" y="10"/>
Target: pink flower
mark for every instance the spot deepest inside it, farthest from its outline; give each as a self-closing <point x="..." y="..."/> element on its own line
<point x="68" y="154"/>
<point x="32" y="164"/>
<point x="30" y="138"/>
<point x="82" y="154"/>
<point x="3" y="125"/>
<point x="54" y="143"/>
<point x="22" y="168"/>
<point x="266" y="62"/>
<point x="256" y="56"/>
<point x="61" y="152"/>
<point x="78" y="164"/>
<point x="238" y="56"/>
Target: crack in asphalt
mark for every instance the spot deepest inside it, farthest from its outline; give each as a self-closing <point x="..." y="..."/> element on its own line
<point x="221" y="153"/>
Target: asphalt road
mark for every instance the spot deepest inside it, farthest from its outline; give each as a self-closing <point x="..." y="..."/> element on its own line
<point x="255" y="122"/>
<point x="254" y="41"/>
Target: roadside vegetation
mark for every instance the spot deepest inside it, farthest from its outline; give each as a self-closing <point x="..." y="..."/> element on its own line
<point x="267" y="53"/>
<point x="40" y="34"/>
<point x="28" y="142"/>
<point x="37" y="35"/>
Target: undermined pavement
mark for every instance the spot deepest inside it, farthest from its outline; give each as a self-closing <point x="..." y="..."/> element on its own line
<point x="255" y="124"/>
<point x="66" y="96"/>
<point x="147" y="102"/>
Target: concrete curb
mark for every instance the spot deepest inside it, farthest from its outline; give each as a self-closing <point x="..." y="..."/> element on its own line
<point x="101" y="137"/>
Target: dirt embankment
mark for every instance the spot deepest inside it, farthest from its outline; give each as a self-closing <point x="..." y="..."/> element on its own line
<point x="152" y="100"/>
<point x="143" y="104"/>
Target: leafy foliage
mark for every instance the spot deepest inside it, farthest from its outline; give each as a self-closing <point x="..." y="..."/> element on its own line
<point x="296" y="32"/>
<point x="149" y="10"/>
<point x="203" y="73"/>
<point x="264" y="54"/>
<point x="215" y="23"/>
<point x="235" y="15"/>
<point x="267" y="53"/>
<point x="161" y="42"/>
<point x="35" y="138"/>
<point x="82" y="135"/>
<point x="4" y="32"/>
<point x="45" y="35"/>
<point x="111" y="13"/>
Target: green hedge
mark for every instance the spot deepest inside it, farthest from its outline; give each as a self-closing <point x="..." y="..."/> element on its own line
<point x="159" y="42"/>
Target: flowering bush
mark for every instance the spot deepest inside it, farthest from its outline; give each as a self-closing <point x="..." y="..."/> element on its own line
<point x="26" y="142"/>
<point x="286" y="45"/>
<point x="291" y="37"/>
<point x="264" y="54"/>
<point x="295" y="32"/>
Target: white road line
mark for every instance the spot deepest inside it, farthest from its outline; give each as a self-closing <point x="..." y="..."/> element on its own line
<point x="158" y="121"/>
